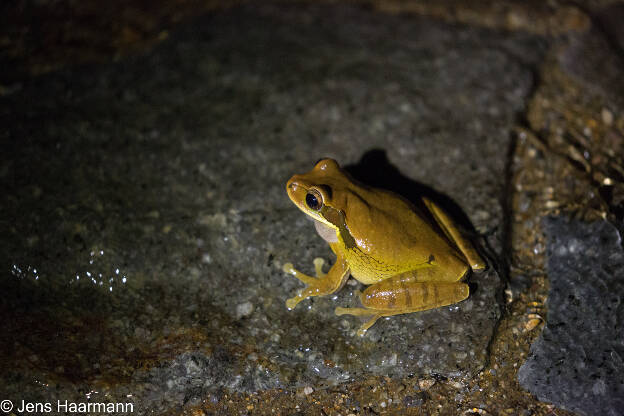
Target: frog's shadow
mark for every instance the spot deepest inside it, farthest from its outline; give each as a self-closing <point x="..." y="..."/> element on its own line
<point x="375" y="170"/>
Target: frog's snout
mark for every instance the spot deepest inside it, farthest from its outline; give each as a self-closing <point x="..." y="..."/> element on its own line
<point x="291" y="188"/>
<point x="295" y="189"/>
<point x="292" y="184"/>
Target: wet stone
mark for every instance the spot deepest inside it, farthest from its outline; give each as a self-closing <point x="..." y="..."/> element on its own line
<point x="149" y="220"/>
<point x="577" y="361"/>
<point x="416" y="400"/>
<point x="594" y="59"/>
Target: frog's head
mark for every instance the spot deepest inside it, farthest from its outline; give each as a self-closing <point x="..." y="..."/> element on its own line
<point x="315" y="192"/>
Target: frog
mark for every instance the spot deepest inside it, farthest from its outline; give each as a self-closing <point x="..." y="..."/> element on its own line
<point x="412" y="258"/>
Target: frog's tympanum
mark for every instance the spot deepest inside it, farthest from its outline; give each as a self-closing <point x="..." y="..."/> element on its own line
<point x="412" y="261"/>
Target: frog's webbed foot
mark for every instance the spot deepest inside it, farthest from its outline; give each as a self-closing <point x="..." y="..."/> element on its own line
<point x="360" y="312"/>
<point x="308" y="280"/>
<point x="323" y="284"/>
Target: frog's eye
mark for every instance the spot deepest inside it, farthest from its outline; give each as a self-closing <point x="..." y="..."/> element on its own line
<point x="314" y="200"/>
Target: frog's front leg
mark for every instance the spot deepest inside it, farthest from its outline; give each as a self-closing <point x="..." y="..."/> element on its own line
<point x="401" y="294"/>
<point x="323" y="284"/>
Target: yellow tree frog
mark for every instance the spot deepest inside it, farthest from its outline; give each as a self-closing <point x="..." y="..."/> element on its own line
<point x="411" y="262"/>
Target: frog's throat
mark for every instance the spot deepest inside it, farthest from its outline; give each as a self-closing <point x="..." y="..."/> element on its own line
<point x="327" y="233"/>
<point x="337" y="218"/>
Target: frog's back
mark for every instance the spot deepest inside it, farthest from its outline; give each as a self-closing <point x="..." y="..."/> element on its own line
<point x="391" y="237"/>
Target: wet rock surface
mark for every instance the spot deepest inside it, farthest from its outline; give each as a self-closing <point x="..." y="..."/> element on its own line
<point x="146" y="219"/>
<point x="577" y="361"/>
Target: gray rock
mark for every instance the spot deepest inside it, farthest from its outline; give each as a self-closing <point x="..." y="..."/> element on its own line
<point x="595" y="57"/>
<point x="577" y="361"/>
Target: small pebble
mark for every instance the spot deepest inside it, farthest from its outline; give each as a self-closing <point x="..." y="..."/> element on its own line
<point x="607" y="116"/>
<point x="426" y="383"/>
<point x="243" y="310"/>
<point x="416" y="400"/>
<point x="308" y="390"/>
<point x="456" y="384"/>
<point x="392" y="361"/>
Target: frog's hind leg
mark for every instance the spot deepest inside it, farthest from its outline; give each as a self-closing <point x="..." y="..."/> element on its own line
<point x="453" y="233"/>
<point x="398" y="295"/>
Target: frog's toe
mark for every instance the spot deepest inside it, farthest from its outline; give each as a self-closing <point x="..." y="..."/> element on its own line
<point x="288" y="268"/>
<point x="293" y="302"/>
<point x="308" y="280"/>
<point x="318" y="266"/>
<point x="340" y="311"/>
<point x="354" y="311"/>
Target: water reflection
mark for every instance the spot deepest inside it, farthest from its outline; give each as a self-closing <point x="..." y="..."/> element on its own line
<point x="99" y="272"/>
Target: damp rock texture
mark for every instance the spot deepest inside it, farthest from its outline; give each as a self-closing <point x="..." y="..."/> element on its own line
<point x="578" y="360"/>
<point x="145" y="220"/>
